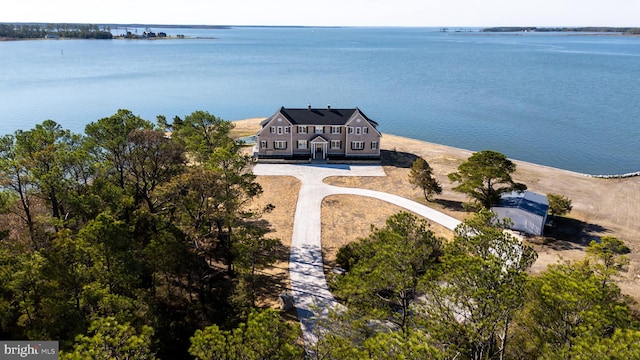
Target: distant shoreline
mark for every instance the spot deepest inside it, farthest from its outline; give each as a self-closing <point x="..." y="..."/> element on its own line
<point x="586" y="29"/>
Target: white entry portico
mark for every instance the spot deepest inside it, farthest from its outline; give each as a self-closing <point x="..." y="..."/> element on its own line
<point x="319" y="147"/>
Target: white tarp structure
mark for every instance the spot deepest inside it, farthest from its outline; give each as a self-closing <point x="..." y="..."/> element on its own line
<point x="527" y="211"/>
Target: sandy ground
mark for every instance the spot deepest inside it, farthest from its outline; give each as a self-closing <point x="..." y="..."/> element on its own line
<point x="600" y="206"/>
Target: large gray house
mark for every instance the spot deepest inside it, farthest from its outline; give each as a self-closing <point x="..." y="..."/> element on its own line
<point x="313" y="133"/>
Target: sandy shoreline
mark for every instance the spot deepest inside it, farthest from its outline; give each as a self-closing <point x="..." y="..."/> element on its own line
<point x="600" y="206"/>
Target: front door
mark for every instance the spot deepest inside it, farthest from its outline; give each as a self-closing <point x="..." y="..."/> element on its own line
<point x="319" y="150"/>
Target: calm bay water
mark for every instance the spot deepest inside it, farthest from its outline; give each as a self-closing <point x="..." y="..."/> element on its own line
<point x="560" y="100"/>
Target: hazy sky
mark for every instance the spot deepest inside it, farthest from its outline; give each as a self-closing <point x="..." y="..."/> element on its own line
<point x="330" y="12"/>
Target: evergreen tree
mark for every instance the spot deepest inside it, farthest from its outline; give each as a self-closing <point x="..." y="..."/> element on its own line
<point x="485" y="176"/>
<point x="558" y="204"/>
<point x="263" y="336"/>
<point x="385" y="279"/>
<point x="471" y="300"/>
<point x="421" y="175"/>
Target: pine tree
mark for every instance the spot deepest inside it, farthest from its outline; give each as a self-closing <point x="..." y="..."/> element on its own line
<point x="421" y="175"/>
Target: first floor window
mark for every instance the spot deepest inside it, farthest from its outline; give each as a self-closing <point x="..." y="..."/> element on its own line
<point x="263" y="144"/>
<point x="302" y="144"/>
<point x="336" y="144"/>
<point x="374" y="145"/>
<point x="280" y="145"/>
<point x="357" y="145"/>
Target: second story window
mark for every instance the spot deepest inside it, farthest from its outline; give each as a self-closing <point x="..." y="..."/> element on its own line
<point x="319" y="129"/>
<point x="302" y="129"/>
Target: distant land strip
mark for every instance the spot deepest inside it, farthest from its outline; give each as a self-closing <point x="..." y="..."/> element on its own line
<point x="34" y="30"/>
<point x="592" y="29"/>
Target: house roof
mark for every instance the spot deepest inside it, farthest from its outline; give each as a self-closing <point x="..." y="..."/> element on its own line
<point x="527" y="211"/>
<point x="316" y="116"/>
<point x="319" y="139"/>
<point x="526" y="200"/>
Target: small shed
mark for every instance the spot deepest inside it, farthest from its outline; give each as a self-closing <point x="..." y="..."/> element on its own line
<point x="527" y="211"/>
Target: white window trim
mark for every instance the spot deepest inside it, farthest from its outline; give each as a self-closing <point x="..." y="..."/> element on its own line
<point x="358" y="130"/>
<point x="280" y="145"/>
<point x="357" y="145"/>
<point x="302" y="129"/>
<point x="302" y="144"/>
<point x="336" y="144"/>
<point x="286" y="130"/>
<point x="279" y="130"/>
<point x="319" y="129"/>
<point x="264" y="144"/>
<point x="374" y="145"/>
<point x="272" y="129"/>
<point x="335" y="129"/>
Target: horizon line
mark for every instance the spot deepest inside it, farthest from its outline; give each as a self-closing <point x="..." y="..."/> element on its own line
<point x="139" y="24"/>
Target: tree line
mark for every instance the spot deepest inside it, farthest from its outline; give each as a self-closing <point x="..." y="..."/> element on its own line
<point x="40" y="31"/>
<point x="123" y="241"/>
<point x="593" y="29"/>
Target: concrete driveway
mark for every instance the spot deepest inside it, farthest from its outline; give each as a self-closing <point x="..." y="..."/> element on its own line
<point x="309" y="286"/>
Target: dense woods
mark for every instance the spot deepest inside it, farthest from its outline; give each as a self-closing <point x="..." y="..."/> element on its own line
<point x="127" y="240"/>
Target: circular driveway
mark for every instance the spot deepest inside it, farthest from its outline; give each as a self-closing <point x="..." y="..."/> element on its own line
<point x="309" y="287"/>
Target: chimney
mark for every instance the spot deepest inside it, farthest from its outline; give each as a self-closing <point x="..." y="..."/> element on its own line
<point x="329" y="107"/>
